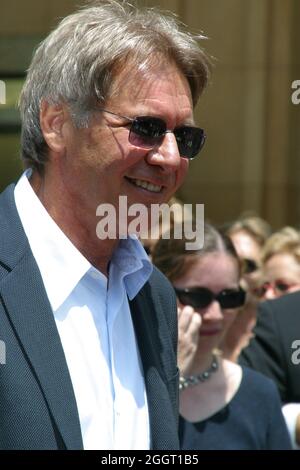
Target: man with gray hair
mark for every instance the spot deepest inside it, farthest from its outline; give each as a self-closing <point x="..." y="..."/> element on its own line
<point x="89" y="325"/>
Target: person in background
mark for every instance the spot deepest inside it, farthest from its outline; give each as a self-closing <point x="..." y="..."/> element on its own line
<point x="248" y="234"/>
<point x="280" y="270"/>
<point x="90" y="327"/>
<point x="222" y="405"/>
<point x="275" y="352"/>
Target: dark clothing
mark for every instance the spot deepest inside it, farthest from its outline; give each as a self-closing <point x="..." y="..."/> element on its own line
<point x="37" y="402"/>
<point x="252" y="420"/>
<point x="273" y="350"/>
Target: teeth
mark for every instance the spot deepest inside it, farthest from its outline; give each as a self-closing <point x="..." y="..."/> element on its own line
<point x="148" y="186"/>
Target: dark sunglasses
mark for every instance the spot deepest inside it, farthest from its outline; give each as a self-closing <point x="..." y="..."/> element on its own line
<point x="200" y="297"/>
<point x="148" y="131"/>
<point x="249" y="265"/>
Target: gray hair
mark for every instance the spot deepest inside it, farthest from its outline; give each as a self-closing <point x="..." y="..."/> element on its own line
<point x="77" y="63"/>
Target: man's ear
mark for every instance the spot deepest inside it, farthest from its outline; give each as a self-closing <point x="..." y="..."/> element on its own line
<point x="52" y="120"/>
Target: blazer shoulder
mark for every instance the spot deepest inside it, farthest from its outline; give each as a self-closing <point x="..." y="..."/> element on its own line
<point x="162" y="289"/>
<point x="270" y="350"/>
<point x="282" y="307"/>
<point x="281" y="317"/>
<point x="159" y="280"/>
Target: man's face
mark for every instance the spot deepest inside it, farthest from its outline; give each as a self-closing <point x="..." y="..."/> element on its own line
<point x="99" y="164"/>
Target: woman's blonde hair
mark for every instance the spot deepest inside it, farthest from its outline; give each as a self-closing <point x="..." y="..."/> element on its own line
<point x="286" y="240"/>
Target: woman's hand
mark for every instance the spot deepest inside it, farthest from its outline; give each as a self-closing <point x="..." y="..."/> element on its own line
<point x="189" y="323"/>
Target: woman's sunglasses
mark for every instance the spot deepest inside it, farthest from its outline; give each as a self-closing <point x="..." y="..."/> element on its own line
<point x="200" y="297"/>
<point x="148" y="131"/>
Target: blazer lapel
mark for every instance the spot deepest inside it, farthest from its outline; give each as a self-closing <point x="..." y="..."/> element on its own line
<point x="29" y="311"/>
<point x="154" y="356"/>
<point x="36" y="329"/>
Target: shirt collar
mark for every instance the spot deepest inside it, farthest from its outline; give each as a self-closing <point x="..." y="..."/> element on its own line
<point x="133" y="265"/>
<point x="61" y="264"/>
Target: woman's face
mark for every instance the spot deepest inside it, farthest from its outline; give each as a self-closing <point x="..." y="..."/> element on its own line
<point x="216" y="272"/>
<point x="281" y="275"/>
<point x="248" y="250"/>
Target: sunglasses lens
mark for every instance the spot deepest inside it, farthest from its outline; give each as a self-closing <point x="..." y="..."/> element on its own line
<point x="200" y="297"/>
<point x="232" y="299"/>
<point x="146" y="131"/>
<point x="196" y="298"/>
<point x="190" y="141"/>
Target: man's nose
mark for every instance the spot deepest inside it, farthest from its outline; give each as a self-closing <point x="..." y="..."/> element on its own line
<point x="166" y="154"/>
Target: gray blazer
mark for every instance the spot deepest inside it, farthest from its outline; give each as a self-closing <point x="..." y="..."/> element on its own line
<point x="37" y="402"/>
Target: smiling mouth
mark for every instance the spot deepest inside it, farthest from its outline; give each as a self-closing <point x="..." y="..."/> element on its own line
<point x="145" y="185"/>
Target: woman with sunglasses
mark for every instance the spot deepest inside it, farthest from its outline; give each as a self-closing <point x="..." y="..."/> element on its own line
<point x="222" y="405"/>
